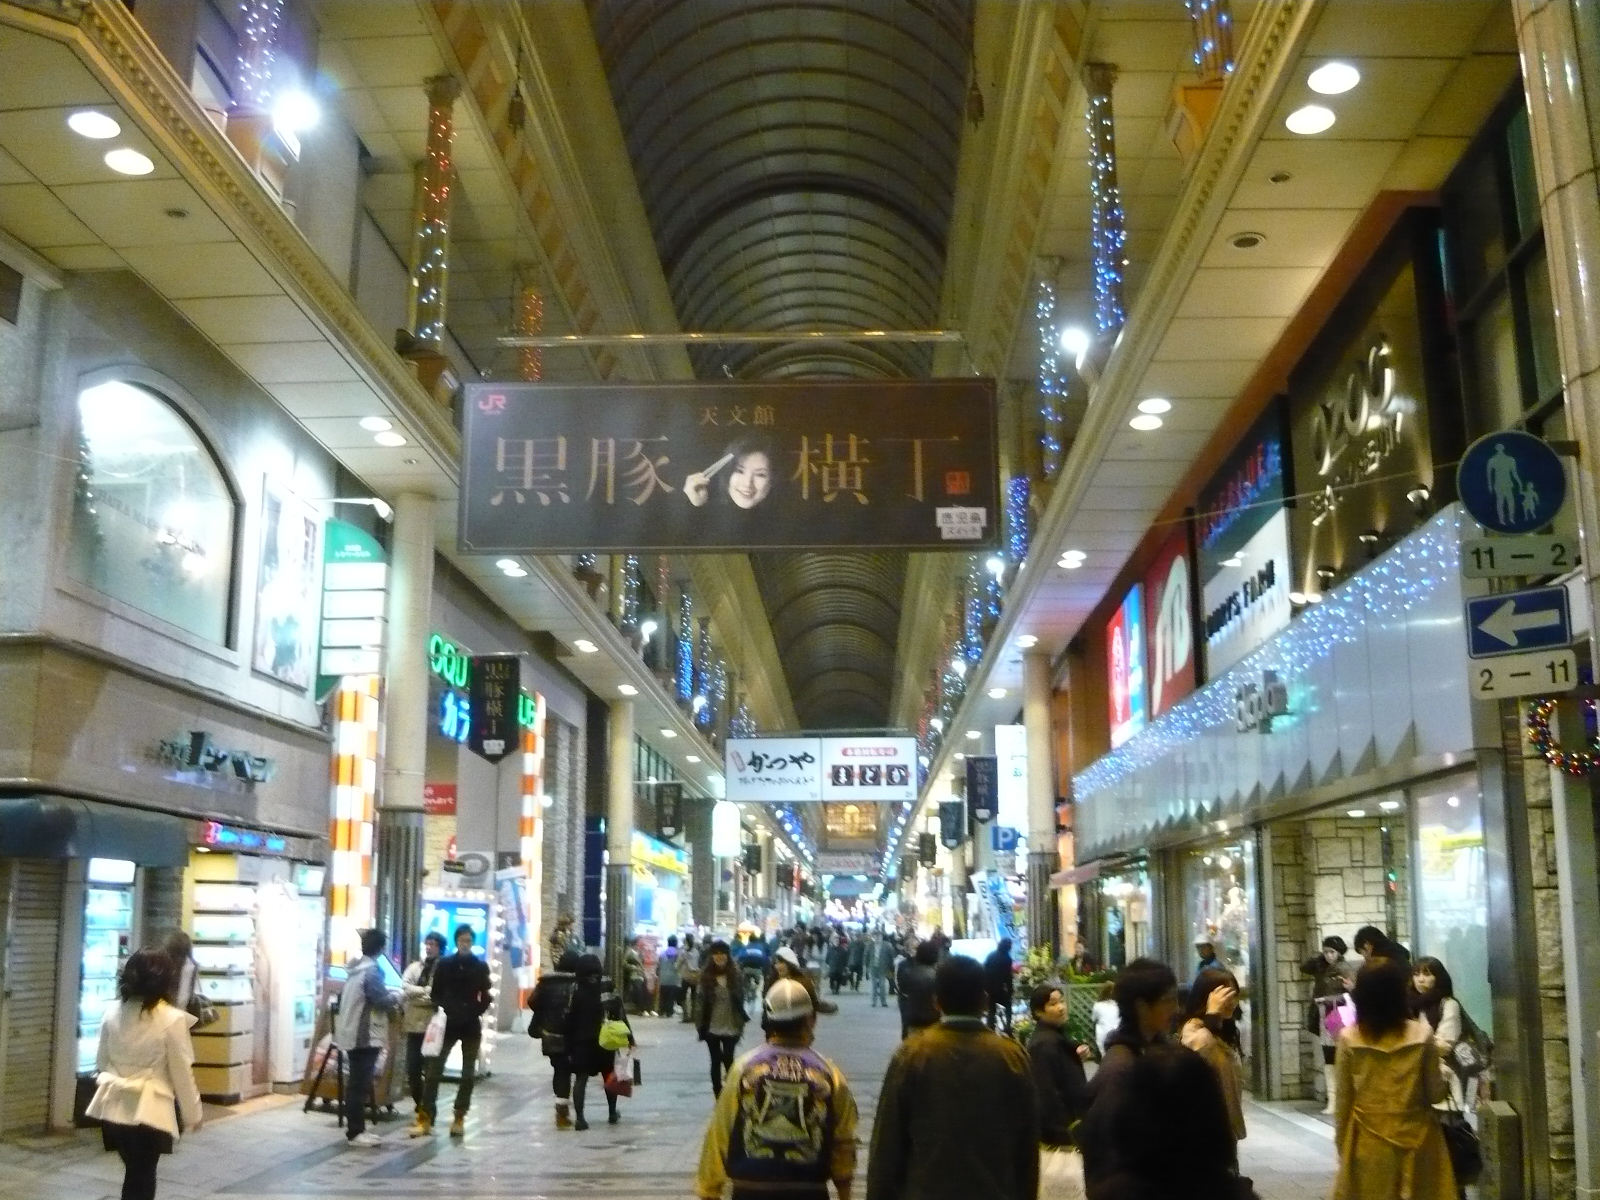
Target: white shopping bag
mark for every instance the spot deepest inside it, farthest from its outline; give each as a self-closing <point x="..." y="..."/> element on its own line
<point x="433" y="1036"/>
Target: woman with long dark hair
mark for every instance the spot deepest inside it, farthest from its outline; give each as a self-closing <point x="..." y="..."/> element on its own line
<point x="1433" y="998"/>
<point x="1211" y="1029"/>
<point x="722" y="1016"/>
<point x="1387" y="1133"/>
<point x="593" y="1004"/>
<point x="747" y="472"/>
<point x="145" y="1094"/>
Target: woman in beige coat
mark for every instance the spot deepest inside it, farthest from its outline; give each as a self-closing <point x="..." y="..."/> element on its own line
<point x="1390" y="1146"/>
<point x="1211" y="1029"/>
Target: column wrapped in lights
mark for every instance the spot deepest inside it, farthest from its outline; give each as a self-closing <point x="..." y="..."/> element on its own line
<point x="356" y="710"/>
<point x="972" y="604"/>
<point x="742" y="723"/>
<point x="1108" y="232"/>
<point x="258" y="36"/>
<point x="1213" y="38"/>
<point x="528" y="321"/>
<point x="685" y="647"/>
<point x="702" y="676"/>
<point x="631" y="578"/>
<point x="430" y="257"/>
<point x="1051" y="386"/>
<point x="1018" y="492"/>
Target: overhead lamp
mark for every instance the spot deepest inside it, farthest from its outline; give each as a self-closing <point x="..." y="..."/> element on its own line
<point x="997" y="693"/>
<point x="1356" y="813"/>
<point x="376" y="424"/>
<point x="1235" y="561"/>
<point x="1297" y="599"/>
<point x="1075" y="340"/>
<point x="959" y="666"/>
<point x="1389" y="805"/>
<point x="1155" y="405"/>
<point x="646" y="628"/>
<point x="585" y="646"/>
<point x="691" y="758"/>
<point x="389" y="438"/>
<point x="507" y="564"/>
<point x="1145" y="422"/>
<point x="516" y="572"/>
<point x="1069" y="564"/>
<point x="959" y="755"/>
<point x="1333" y="79"/>
<point x="126" y="161"/>
<point x="1454" y="801"/>
<point x="627" y="689"/>
<point x="974" y="734"/>
<point x="699" y="703"/>
<point x="1311" y="119"/>
<point x="937" y="724"/>
<point x="91" y="124"/>
<point x="296" y="111"/>
<point x="1027" y="641"/>
<point x="996" y="566"/>
<point x="669" y="733"/>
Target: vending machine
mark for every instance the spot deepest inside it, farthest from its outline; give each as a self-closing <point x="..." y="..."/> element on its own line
<point x="108" y="913"/>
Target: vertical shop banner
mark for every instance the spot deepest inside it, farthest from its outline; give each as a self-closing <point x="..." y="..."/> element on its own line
<point x="864" y="768"/>
<point x="669" y="809"/>
<point x="511" y="888"/>
<point x="983" y="787"/>
<point x="355" y="576"/>
<point x="1243" y="535"/>
<point x="927" y="849"/>
<point x="908" y="464"/>
<point x="1011" y="761"/>
<point x="1169" y="625"/>
<point x="1125" y="667"/>
<point x="494" y="691"/>
<point x="952" y="823"/>
<point x="288" y="587"/>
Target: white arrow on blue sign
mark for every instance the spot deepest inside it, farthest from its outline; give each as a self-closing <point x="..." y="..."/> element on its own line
<point x="1512" y="622"/>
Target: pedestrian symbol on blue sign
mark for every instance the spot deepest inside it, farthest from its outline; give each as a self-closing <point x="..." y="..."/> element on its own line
<point x="1511" y="482"/>
<point x="1513" y="622"/>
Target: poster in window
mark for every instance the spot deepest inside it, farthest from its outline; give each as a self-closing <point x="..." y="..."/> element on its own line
<point x="907" y="464"/>
<point x="288" y="587"/>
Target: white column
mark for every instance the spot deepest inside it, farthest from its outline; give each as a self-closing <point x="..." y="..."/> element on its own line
<point x="1561" y="75"/>
<point x="619" y="836"/>
<point x="1041" y="797"/>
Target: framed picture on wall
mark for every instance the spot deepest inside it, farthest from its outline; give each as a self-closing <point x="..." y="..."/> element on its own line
<point x="288" y="587"/>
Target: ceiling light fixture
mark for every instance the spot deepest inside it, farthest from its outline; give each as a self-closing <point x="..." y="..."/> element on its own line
<point x="1076" y="342"/>
<point x="125" y="161"/>
<point x="627" y="689"/>
<point x="646" y="628"/>
<point x="669" y="733"/>
<point x="1070" y="564"/>
<point x="997" y="693"/>
<point x="1333" y="79"/>
<point x="516" y="572"/>
<point x="1146" y="422"/>
<point x="1027" y="642"/>
<point x="296" y="111"/>
<point x="1388" y="805"/>
<point x="691" y="758"/>
<point x="1235" y="561"/>
<point x="1246" y="240"/>
<point x="974" y="734"/>
<point x="1155" y="406"/>
<point x="91" y="124"/>
<point x="377" y="424"/>
<point x="585" y="646"/>
<point x="1311" y="119"/>
<point x="389" y="438"/>
<point x="1356" y="813"/>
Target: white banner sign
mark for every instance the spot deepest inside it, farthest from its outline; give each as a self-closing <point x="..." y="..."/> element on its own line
<point x="774" y="770"/>
<point x="1011" y="762"/>
<point x="1247" y="600"/>
<point x="869" y="768"/>
<point x="846" y="862"/>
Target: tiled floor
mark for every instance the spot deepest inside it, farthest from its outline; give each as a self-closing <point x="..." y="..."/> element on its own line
<point x="273" y="1151"/>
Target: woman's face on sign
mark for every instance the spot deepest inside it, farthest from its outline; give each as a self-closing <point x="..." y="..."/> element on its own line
<point x="751" y="481"/>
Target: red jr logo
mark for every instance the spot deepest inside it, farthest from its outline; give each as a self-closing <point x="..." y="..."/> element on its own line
<point x="494" y="402"/>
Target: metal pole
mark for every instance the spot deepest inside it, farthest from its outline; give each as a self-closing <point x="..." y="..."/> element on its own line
<point x="1041" y="799"/>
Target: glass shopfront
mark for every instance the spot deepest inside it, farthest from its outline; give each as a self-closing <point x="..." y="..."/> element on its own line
<point x="1125" y="918"/>
<point x="1451" y="881"/>
<point x="1219" y="906"/>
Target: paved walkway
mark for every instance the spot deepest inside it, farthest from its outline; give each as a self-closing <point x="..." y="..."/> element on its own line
<point x="269" y="1150"/>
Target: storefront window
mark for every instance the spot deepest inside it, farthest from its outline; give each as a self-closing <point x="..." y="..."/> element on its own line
<point x="1219" y="907"/>
<point x="152" y="516"/>
<point x="1451" y="886"/>
<point x="1125" y="919"/>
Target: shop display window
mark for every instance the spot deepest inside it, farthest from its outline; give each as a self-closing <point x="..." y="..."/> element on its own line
<point x="1219" y="901"/>
<point x="1451" y="883"/>
<point x="1125" y="919"/>
<point x="153" y="518"/>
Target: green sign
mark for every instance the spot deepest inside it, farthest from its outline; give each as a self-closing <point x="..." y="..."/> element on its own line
<point x="453" y="664"/>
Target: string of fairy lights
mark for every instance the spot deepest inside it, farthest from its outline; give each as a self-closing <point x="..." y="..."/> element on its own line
<point x="1213" y="38"/>
<point x="1108" y="236"/>
<point x="1052" y="385"/>
<point x="432" y="258"/>
<point x="257" y="52"/>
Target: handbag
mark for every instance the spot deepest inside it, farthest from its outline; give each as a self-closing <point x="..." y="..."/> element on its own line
<point x="1461" y="1140"/>
<point x="619" y="1080"/>
<point x="1472" y="1053"/>
<point x="433" y="1035"/>
<point x="1340" y="1017"/>
<point x="615" y="1035"/>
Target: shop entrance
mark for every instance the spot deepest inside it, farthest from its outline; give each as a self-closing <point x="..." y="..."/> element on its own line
<point x="31" y="892"/>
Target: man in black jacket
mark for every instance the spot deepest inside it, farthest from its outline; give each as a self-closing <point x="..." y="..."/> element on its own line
<point x="461" y="989"/>
<point x="1056" y="1063"/>
<point x="998" y="977"/>
<point x="915" y="983"/>
<point x="549" y="1004"/>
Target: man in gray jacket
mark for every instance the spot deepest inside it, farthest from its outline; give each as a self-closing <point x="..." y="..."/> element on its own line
<point x="361" y="1030"/>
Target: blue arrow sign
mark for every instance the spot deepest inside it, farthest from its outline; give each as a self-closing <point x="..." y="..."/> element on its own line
<point x="1511" y="482"/>
<point x="1513" y="622"/>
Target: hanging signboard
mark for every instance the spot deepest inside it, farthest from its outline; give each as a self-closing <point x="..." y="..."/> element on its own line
<point x="1125" y="692"/>
<point x="1243" y="536"/>
<point x="952" y="823"/>
<point x="669" y="809"/>
<point x="774" y="770"/>
<point x="1011" y="755"/>
<point x="354" y="582"/>
<point x="908" y="464"/>
<point x="494" y="690"/>
<point x="983" y="786"/>
<point x="865" y="768"/>
<point x="1169" y="625"/>
<point x="846" y="862"/>
<point x="780" y="770"/>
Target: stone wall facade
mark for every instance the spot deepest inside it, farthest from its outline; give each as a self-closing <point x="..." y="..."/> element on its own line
<point x="1296" y="1062"/>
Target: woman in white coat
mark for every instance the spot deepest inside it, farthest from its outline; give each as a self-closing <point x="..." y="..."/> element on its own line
<point x="145" y="1093"/>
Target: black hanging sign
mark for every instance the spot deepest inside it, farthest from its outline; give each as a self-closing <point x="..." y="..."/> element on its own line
<point x="495" y="687"/>
<point x="952" y="823"/>
<point x="669" y="809"/>
<point x="752" y="857"/>
<point x="927" y="849"/>
<point x="983" y="786"/>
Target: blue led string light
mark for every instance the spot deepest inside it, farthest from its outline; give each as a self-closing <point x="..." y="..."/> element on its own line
<point x="1052" y="387"/>
<point x="684" y="679"/>
<point x="1213" y="38"/>
<point x="1108" y="231"/>
<point x="1017" y="514"/>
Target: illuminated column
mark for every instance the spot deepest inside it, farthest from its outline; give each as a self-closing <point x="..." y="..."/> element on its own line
<point x="355" y="780"/>
<point x="1108" y="235"/>
<point x="619" y="837"/>
<point x="430" y="246"/>
<point x="1052" y="385"/>
<point x="527" y="321"/>
<point x="1560" y="47"/>
<point x="1213" y="38"/>
<point x="1042" y="855"/>
<point x="405" y="725"/>
<point x="530" y="829"/>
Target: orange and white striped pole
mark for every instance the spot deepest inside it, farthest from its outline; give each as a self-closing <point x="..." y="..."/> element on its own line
<point x="355" y="786"/>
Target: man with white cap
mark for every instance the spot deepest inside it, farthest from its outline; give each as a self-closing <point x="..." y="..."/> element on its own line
<point x="785" y="1123"/>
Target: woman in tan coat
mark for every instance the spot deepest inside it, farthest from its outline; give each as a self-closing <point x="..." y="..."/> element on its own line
<point x="1390" y="1146"/>
<point x="1211" y="1029"/>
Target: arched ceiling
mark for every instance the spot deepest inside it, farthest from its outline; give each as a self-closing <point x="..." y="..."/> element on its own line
<point x="797" y="160"/>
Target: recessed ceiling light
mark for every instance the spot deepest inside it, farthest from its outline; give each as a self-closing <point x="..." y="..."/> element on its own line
<point x="669" y="733"/>
<point x="505" y="564"/>
<point x="958" y="755"/>
<point x="1145" y="422"/>
<point x="1235" y="561"/>
<point x="1356" y="813"/>
<point x="389" y="438"/>
<point x="1313" y="597"/>
<point x="1297" y="598"/>
<point x="1388" y="805"/>
<point x="691" y="758"/>
<point x="584" y="646"/>
<point x="1333" y="79"/>
<point x="1070" y="564"/>
<point x="1454" y="802"/>
<point x="1080" y="555"/>
<point x="125" y="161"/>
<point x="974" y="734"/>
<point x="627" y="689"/>
<point x="377" y="424"/>
<point x="1156" y="405"/>
<point x="1075" y="341"/>
<point x="1313" y="118"/>
<point x="91" y="124"/>
<point x="997" y="693"/>
<point x="1247" y="239"/>
<point x="1027" y="642"/>
<point x="515" y="572"/>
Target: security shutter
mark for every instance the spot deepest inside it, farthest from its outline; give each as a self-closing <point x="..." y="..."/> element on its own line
<point x="30" y="936"/>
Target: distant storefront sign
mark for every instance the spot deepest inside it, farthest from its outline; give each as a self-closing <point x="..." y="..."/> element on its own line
<point x="794" y="770"/>
<point x="1170" y="649"/>
<point x="439" y="799"/>
<point x="1125" y="675"/>
<point x="495" y="686"/>
<point x="983" y="785"/>
<point x="1011" y="760"/>
<point x="1243" y="536"/>
<point x="889" y="464"/>
<point x="843" y="862"/>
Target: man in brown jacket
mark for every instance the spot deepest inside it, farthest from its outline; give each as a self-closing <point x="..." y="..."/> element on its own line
<point x="956" y="1115"/>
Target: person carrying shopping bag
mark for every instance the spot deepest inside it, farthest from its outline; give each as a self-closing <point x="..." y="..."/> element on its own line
<point x="145" y="1094"/>
<point x="590" y="1044"/>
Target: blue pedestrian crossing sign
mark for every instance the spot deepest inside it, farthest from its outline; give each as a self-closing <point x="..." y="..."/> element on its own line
<point x="1512" y="622"/>
<point x="1511" y="482"/>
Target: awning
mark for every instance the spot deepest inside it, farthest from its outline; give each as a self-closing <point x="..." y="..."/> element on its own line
<point x="1076" y="875"/>
<point x="67" y="827"/>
